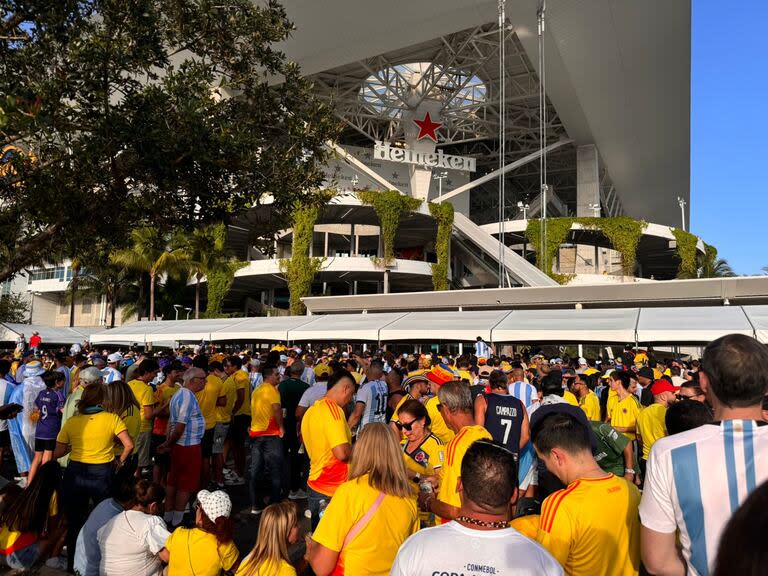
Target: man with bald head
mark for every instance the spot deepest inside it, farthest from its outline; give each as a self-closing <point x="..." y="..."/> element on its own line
<point x="186" y="426"/>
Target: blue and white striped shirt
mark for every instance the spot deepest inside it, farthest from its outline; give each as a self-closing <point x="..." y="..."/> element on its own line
<point x="482" y="350"/>
<point x="373" y="394"/>
<point x="697" y="479"/>
<point x="185" y="410"/>
<point x="111" y="374"/>
<point x="524" y="392"/>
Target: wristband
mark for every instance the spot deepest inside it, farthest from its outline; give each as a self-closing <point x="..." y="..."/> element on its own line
<point x="629" y="471"/>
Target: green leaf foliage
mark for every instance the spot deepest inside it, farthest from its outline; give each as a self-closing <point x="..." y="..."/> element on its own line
<point x="219" y="282"/>
<point x="389" y="206"/>
<point x="148" y="112"/>
<point x="622" y="232"/>
<point x="14" y="308"/>
<point x="300" y="269"/>
<point x="714" y="267"/>
<point x="443" y="214"/>
<point x="686" y="251"/>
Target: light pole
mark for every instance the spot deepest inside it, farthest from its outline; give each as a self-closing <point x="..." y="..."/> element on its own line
<point x="595" y="209"/>
<point x="188" y="311"/>
<point x="440" y="176"/>
<point x="682" y="203"/>
<point x="177" y="307"/>
<point x="524" y="208"/>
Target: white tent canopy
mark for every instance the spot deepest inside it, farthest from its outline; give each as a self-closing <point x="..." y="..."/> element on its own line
<point x="570" y="325"/>
<point x="336" y="327"/>
<point x="457" y="326"/>
<point x="758" y="318"/>
<point x="9" y="331"/>
<point x="684" y="325"/>
<point x="264" y="329"/>
<point x="691" y="324"/>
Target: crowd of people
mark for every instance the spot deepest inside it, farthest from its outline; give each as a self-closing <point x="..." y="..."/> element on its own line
<point x="405" y="464"/>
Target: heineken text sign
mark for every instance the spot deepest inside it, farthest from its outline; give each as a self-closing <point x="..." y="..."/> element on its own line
<point x="385" y="151"/>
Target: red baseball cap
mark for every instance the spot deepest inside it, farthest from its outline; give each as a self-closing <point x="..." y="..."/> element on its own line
<point x="661" y="386"/>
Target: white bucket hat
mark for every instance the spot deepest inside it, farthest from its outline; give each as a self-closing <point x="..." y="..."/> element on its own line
<point x="215" y="504"/>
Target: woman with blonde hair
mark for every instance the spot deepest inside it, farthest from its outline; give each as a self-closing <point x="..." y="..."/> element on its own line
<point x="370" y="515"/>
<point x="278" y="529"/>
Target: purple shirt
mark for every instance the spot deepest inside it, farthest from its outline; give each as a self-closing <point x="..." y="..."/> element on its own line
<point x="49" y="404"/>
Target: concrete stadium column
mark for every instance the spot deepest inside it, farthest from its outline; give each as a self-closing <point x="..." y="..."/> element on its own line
<point x="420" y="176"/>
<point x="587" y="179"/>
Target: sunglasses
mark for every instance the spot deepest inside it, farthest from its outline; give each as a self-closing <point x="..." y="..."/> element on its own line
<point x="407" y="426"/>
<point x="685" y="397"/>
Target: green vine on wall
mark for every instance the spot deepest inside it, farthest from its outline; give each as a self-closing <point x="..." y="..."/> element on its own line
<point x="557" y="232"/>
<point x="686" y="251"/>
<point x="300" y="269"/>
<point x="219" y="283"/>
<point x="622" y="232"/>
<point x="389" y="206"/>
<point x="443" y="215"/>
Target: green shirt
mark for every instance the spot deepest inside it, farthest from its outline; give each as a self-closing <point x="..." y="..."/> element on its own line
<point x="610" y="448"/>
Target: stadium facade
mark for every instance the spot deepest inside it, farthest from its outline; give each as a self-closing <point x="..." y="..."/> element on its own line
<point x="437" y="99"/>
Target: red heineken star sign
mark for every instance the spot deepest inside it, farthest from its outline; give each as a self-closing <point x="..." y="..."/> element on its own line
<point x="427" y="128"/>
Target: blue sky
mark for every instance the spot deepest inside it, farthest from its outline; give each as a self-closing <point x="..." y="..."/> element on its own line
<point x="729" y="130"/>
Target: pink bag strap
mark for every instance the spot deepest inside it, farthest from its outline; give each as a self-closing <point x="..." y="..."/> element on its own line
<point x="363" y="522"/>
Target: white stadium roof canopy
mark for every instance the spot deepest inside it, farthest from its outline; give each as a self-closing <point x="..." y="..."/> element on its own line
<point x="683" y="325"/>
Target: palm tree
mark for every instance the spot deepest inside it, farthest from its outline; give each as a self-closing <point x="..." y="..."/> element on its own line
<point x="110" y="280"/>
<point x="714" y="267"/>
<point x="152" y="253"/>
<point x="206" y="253"/>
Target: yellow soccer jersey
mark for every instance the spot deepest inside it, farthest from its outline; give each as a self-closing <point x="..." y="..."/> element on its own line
<point x="651" y="426"/>
<point x="625" y="415"/>
<point x="372" y="551"/>
<point x="593" y="527"/>
<point x="454" y="454"/>
<point x="591" y="406"/>
<point x="439" y="427"/>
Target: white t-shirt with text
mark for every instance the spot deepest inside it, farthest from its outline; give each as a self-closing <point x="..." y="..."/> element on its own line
<point x="456" y="549"/>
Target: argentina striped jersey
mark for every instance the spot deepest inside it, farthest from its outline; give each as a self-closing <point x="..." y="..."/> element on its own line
<point x="184" y="409"/>
<point x="524" y="392"/>
<point x="696" y="480"/>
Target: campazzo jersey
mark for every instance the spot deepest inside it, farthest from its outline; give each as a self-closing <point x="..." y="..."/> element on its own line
<point x="696" y="480"/>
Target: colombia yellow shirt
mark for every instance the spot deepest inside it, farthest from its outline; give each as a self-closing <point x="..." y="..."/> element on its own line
<point x="591" y="406"/>
<point x="427" y="459"/>
<point x="373" y="550"/>
<point x="266" y="569"/>
<point x="91" y="436"/>
<point x="144" y="396"/>
<point x="207" y="398"/>
<point x="224" y="413"/>
<point x="263" y="421"/>
<point x="439" y="427"/>
<point x="569" y="397"/>
<point x="324" y="427"/>
<point x="242" y="382"/>
<point x="194" y="551"/>
<point x="593" y="527"/>
<point x="613" y="398"/>
<point x="625" y="414"/>
<point x="651" y="426"/>
<point x="454" y="454"/>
